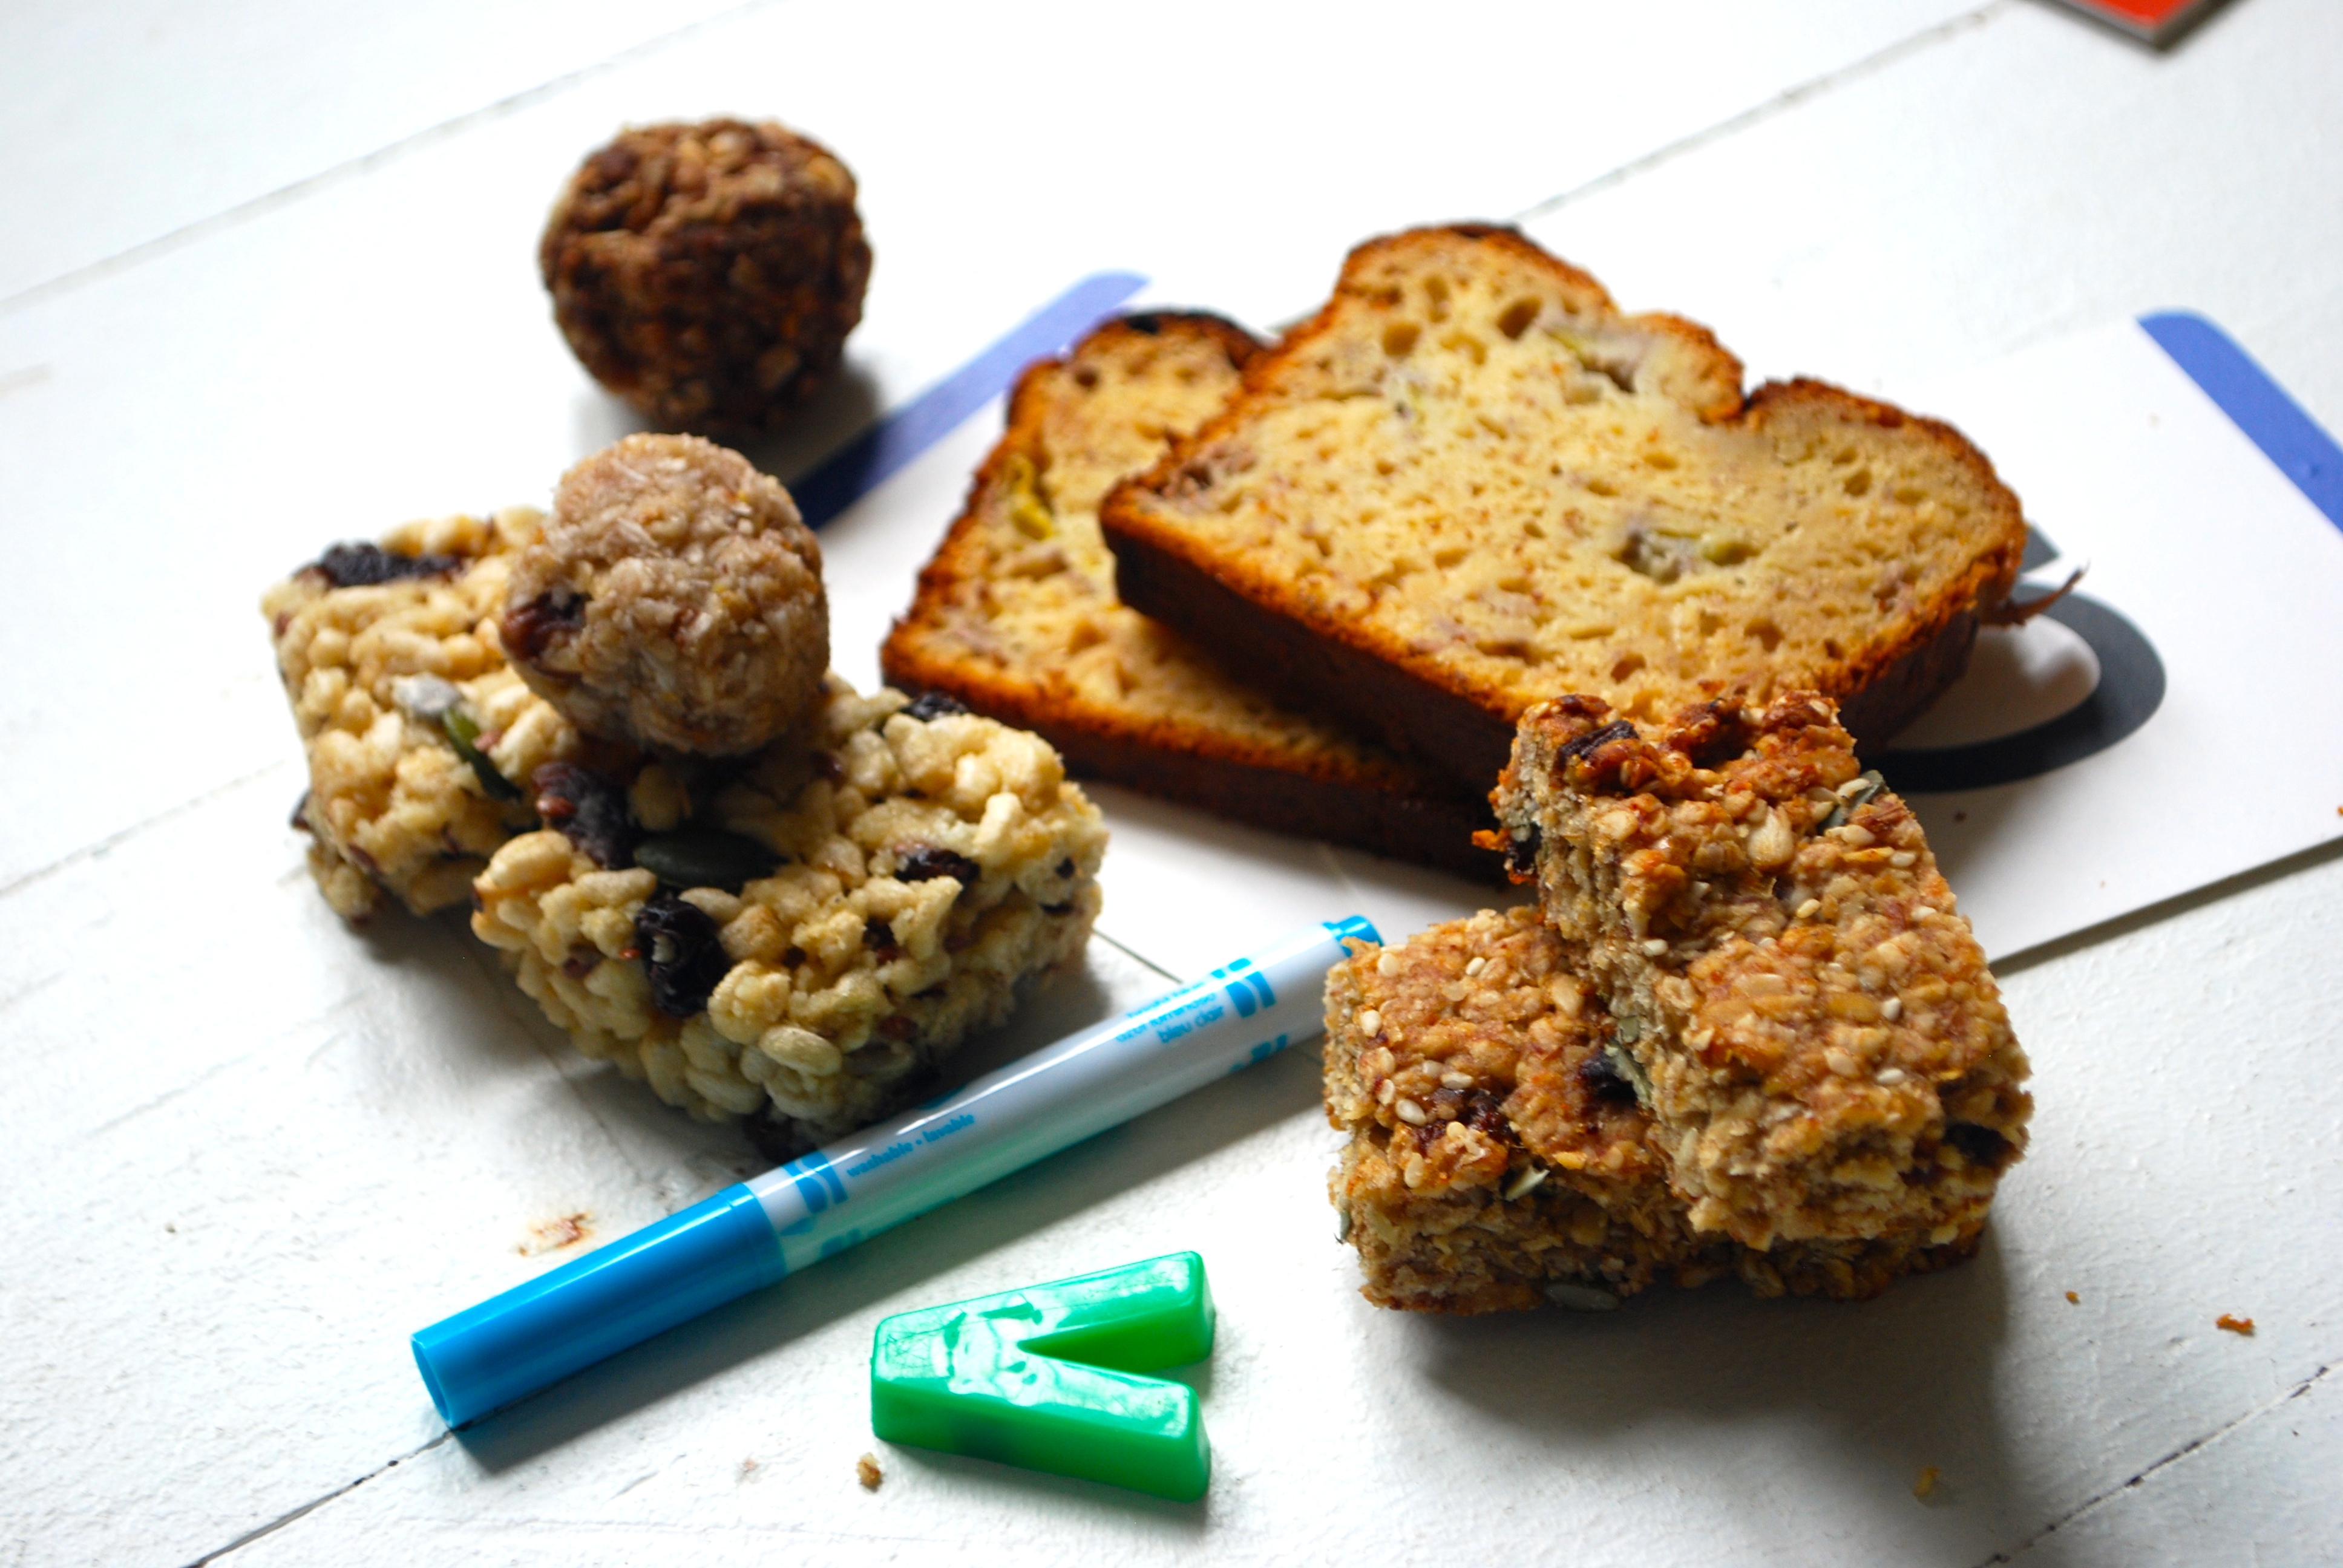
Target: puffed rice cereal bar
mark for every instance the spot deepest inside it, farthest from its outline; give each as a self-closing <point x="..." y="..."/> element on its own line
<point x="830" y="916"/>
<point x="1498" y="1159"/>
<point x="1823" y="1049"/>
<point x="385" y="652"/>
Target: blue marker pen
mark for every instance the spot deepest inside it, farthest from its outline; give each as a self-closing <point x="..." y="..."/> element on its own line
<point x="751" y="1234"/>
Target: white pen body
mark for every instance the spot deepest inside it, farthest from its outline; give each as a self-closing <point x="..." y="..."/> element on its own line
<point x="1243" y="1012"/>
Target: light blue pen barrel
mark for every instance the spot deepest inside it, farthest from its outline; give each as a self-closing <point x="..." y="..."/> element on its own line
<point x="535" y="1334"/>
<point x="750" y="1235"/>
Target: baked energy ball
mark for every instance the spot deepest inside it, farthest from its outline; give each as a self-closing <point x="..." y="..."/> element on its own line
<point x="708" y="274"/>
<point x="674" y="599"/>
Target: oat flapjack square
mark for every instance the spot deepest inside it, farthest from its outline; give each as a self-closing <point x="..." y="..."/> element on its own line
<point x="1823" y="1049"/>
<point x="1498" y="1156"/>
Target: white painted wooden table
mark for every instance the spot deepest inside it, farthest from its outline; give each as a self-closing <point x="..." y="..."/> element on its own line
<point x="267" y="280"/>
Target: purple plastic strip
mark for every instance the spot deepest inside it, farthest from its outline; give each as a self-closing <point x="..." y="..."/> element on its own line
<point x="2256" y="403"/>
<point x="884" y="450"/>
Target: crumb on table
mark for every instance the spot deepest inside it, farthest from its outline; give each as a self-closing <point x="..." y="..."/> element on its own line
<point x="2073" y="1300"/>
<point x="552" y="1235"/>
<point x="867" y="1471"/>
<point x="1926" y="1484"/>
<point x="2236" y="1325"/>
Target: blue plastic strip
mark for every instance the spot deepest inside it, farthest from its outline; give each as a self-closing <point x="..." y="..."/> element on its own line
<point x="535" y="1334"/>
<point x="2256" y="405"/>
<point x="881" y="452"/>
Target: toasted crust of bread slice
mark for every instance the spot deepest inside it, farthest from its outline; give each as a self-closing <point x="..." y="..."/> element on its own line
<point x="1017" y="616"/>
<point x="1470" y="484"/>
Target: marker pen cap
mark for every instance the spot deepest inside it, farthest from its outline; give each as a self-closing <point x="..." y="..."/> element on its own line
<point x="508" y="1348"/>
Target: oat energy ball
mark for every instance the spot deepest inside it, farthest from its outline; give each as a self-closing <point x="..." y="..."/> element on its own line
<point x="801" y="935"/>
<point x="414" y="729"/>
<point x="1498" y="1155"/>
<point x="674" y="599"/>
<point x="708" y="274"/>
<point x="1821" y="1048"/>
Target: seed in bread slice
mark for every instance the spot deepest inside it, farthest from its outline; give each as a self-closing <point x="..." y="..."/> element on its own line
<point x="1016" y="615"/>
<point x="1470" y="483"/>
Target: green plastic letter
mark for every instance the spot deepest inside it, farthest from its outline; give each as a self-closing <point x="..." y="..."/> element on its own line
<point x="1045" y="1377"/>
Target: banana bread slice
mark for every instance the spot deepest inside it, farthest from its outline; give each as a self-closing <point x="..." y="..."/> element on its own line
<point x="1498" y="1158"/>
<point x="1470" y="483"/>
<point x="1017" y="616"/>
<point x="1823" y="1051"/>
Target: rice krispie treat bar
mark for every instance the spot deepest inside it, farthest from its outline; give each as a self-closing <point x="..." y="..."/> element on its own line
<point x="1499" y="1157"/>
<point x="805" y="932"/>
<point x="420" y="739"/>
<point x="1821" y="1047"/>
